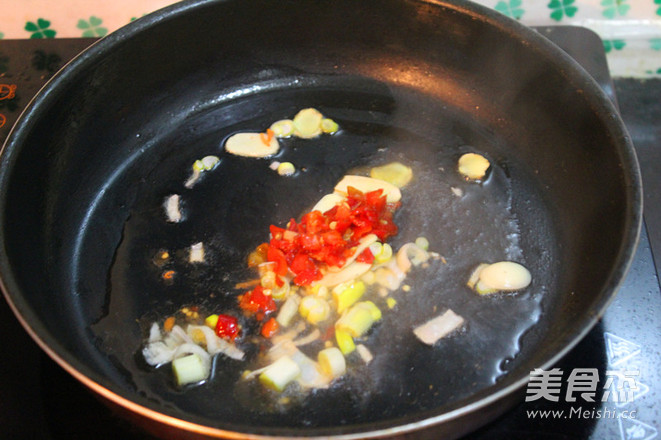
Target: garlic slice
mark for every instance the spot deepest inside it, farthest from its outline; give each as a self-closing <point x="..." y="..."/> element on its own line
<point x="367" y="184"/>
<point x="438" y="327"/>
<point x="505" y="276"/>
<point x="348" y="273"/>
<point x="252" y="145"/>
<point x="473" y="166"/>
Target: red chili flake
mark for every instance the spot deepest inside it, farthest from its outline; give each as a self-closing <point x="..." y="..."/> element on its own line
<point x="257" y="303"/>
<point x="327" y="239"/>
<point x="227" y="327"/>
<point x="270" y="328"/>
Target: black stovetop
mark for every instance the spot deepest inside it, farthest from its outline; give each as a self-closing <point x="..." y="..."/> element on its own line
<point x="38" y="400"/>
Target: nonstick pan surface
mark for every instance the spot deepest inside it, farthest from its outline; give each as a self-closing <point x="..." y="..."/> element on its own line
<point x="85" y="172"/>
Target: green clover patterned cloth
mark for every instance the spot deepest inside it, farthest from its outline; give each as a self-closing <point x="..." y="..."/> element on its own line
<point x="561" y="9"/>
<point x="92" y="27"/>
<point x="630" y="29"/>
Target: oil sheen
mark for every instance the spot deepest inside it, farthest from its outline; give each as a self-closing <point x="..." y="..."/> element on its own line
<point x="230" y="210"/>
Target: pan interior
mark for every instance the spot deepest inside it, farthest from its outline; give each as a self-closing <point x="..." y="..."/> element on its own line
<point x="118" y="132"/>
<point x="230" y="211"/>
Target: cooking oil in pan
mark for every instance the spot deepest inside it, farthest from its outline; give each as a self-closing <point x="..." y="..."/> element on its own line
<point x="230" y="210"/>
<point x="466" y="223"/>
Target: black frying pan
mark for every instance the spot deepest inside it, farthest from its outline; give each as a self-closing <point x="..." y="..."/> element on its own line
<point x="85" y="171"/>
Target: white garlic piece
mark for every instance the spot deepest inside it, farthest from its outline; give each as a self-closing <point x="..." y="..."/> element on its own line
<point x="505" y="276"/>
<point x="473" y="166"/>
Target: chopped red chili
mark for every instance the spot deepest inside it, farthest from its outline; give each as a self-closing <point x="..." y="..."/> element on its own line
<point x="365" y="256"/>
<point x="328" y="239"/>
<point x="267" y="137"/>
<point x="270" y="328"/>
<point x="256" y="302"/>
<point x="227" y="327"/>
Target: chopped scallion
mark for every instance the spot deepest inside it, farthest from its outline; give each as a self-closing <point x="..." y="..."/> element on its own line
<point x="283" y="128"/>
<point x="280" y="373"/>
<point x="329" y="126"/>
<point x="189" y="369"/>
<point x="332" y="362"/>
